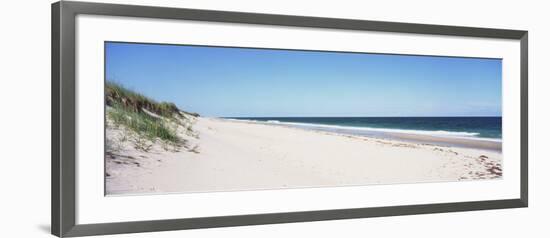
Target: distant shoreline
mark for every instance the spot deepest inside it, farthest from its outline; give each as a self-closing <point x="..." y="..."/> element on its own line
<point x="416" y="136"/>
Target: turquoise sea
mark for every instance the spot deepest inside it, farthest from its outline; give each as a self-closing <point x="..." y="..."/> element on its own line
<point x="462" y="127"/>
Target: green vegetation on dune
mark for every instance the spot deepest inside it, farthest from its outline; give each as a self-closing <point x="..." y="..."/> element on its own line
<point x="142" y="124"/>
<point x="143" y="115"/>
<point x="135" y="102"/>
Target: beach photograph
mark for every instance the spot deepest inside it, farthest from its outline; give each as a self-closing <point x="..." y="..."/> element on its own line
<point x="189" y="119"/>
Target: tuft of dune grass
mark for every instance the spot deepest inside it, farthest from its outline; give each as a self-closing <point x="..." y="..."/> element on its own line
<point x="128" y="109"/>
<point x="142" y="124"/>
<point x="133" y="101"/>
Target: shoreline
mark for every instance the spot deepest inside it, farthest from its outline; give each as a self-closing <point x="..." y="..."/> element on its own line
<point x="239" y="156"/>
<point x="463" y="142"/>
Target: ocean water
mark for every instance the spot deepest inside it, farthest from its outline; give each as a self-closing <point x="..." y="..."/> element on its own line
<point x="460" y="127"/>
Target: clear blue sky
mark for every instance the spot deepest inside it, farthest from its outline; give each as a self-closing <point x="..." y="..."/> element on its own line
<point x="239" y="82"/>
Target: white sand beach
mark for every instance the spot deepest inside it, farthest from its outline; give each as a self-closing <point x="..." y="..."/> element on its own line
<point x="228" y="155"/>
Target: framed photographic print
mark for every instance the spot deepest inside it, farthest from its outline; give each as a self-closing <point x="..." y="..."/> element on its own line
<point x="167" y="118"/>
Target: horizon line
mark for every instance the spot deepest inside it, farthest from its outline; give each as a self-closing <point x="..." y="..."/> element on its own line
<point x="333" y="116"/>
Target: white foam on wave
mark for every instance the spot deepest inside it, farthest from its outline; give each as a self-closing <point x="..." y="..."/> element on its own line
<point x="356" y="129"/>
<point x="438" y="133"/>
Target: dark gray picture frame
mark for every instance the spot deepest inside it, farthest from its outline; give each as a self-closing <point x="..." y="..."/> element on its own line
<point x="63" y="118"/>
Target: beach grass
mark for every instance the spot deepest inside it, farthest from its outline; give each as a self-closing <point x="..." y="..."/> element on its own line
<point x="143" y="115"/>
<point x="135" y="102"/>
<point x="142" y="124"/>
